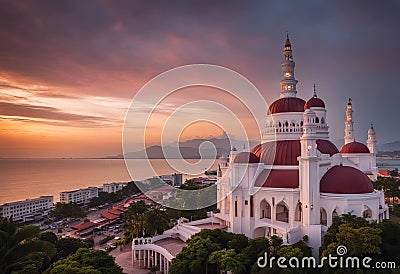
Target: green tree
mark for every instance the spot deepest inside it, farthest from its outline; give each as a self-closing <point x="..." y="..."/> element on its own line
<point x="71" y="210"/>
<point x="49" y="237"/>
<point x="18" y="243"/>
<point x="359" y="241"/>
<point x="86" y="261"/>
<point x="134" y="220"/>
<point x="228" y="260"/>
<point x="194" y="257"/>
<point x="289" y="252"/>
<point x="67" y="246"/>
<point x="155" y="222"/>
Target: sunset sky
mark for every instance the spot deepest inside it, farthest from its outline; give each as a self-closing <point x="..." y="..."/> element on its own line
<point x="69" y="69"/>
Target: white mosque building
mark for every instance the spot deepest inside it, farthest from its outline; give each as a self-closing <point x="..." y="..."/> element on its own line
<point x="290" y="185"/>
<point x="296" y="180"/>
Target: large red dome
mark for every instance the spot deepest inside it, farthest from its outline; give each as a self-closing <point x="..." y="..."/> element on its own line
<point x="282" y="178"/>
<point x="354" y="147"/>
<point x="285" y="152"/>
<point x="246" y="158"/>
<point x="287" y="104"/>
<point x="314" y="102"/>
<point x="345" y="180"/>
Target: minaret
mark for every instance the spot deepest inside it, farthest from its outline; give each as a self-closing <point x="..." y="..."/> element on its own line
<point x="371" y="141"/>
<point x="349" y="131"/>
<point x="288" y="82"/>
<point x="309" y="181"/>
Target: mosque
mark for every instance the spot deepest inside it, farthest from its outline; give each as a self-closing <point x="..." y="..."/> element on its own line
<point x="291" y="185"/>
<point x="296" y="180"/>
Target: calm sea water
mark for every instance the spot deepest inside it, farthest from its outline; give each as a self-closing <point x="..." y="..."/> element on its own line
<point x="29" y="178"/>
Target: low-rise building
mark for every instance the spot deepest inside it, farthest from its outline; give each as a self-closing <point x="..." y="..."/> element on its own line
<point x="113" y="187"/>
<point x="28" y="209"/>
<point x="174" y="179"/>
<point x="79" y="196"/>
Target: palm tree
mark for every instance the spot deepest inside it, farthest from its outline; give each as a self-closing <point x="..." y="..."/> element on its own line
<point x="155" y="222"/>
<point x="16" y="243"/>
<point x="134" y="220"/>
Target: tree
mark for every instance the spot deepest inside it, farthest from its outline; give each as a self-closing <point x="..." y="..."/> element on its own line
<point x="155" y="222"/>
<point x="71" y="210"/>
<point x="134" y="220"/>
<point x="227" y="259"/>
<point x="49" y="237"/>
<point x="194" y="257"/>
<point x="86" y="261"/>
<point x="67" y="246"/>
<point x="18" y="243"/>
<point x="289" y="252"/>
<point x="390" y="241"/>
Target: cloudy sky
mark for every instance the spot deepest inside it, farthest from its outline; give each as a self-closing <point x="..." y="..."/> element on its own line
<point x="69" y="69"/>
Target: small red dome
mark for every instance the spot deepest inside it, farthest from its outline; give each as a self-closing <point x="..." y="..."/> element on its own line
<point x="345" y="180"/>
<point x="246" y="158"/>
<point x="287" y="104"/>
<point x="354" y="147"/>
<point x="314" y="102"/>
<point x="286" y="152"/>
<point x="327" y="147"/>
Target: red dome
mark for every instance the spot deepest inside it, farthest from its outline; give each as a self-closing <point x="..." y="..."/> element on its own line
<point x="327" y="147"/>
<point x="314" y="102"/>
<point x="246" y="158"/>
<point x="286" y="152"/>
<point x="345" y="180"/>
<point x="287" y="104"/>
<point x="354" y="147"/>
<point x="288" y="178"/>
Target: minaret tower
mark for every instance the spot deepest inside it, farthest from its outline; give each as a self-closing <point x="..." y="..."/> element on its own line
<point x="371" y="141"/>
<point x="349" y="131"/>
<point x="309" y="181"/>
<point x="288" y="82"/>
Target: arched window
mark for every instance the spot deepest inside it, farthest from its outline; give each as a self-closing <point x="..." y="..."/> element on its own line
<point x="297" y="214"/>
<point x="367" y="213"/>
<point x="282" y="212"/>
<point x="301" y="123"/>
<point x="286" y="124"/>
<point x="317" y="120"/>
<point x="322" y="120"/>
<point x="323" y="216"/>
<point x="265" y="210"/>
<point x="279" y="124"/>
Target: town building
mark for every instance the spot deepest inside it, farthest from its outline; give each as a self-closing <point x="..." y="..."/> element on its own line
<point x="113" y="187"/>
<point x="174" y="179"/>
<point x="28" y="209"/>
<point x="79" y="196"/>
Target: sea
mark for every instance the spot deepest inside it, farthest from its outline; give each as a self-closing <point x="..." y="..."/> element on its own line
<point x="21" y="179"/>
<point x="30" y="178"/>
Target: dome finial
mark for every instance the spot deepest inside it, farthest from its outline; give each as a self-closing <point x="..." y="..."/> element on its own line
<point x="288" y="45"/>
<point x="372" y="126"/>
<point x="315" y="92"/>
<point x="349" y="102"/>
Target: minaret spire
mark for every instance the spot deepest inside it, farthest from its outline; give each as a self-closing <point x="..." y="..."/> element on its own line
<point x="371" y="141"/>
<point x="349" y="130"/>
<point x="288" y="82"/>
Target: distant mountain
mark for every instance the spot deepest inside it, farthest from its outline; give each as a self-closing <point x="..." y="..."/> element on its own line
<point x="190" y="149"/>
<point x="393" y="146"/>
